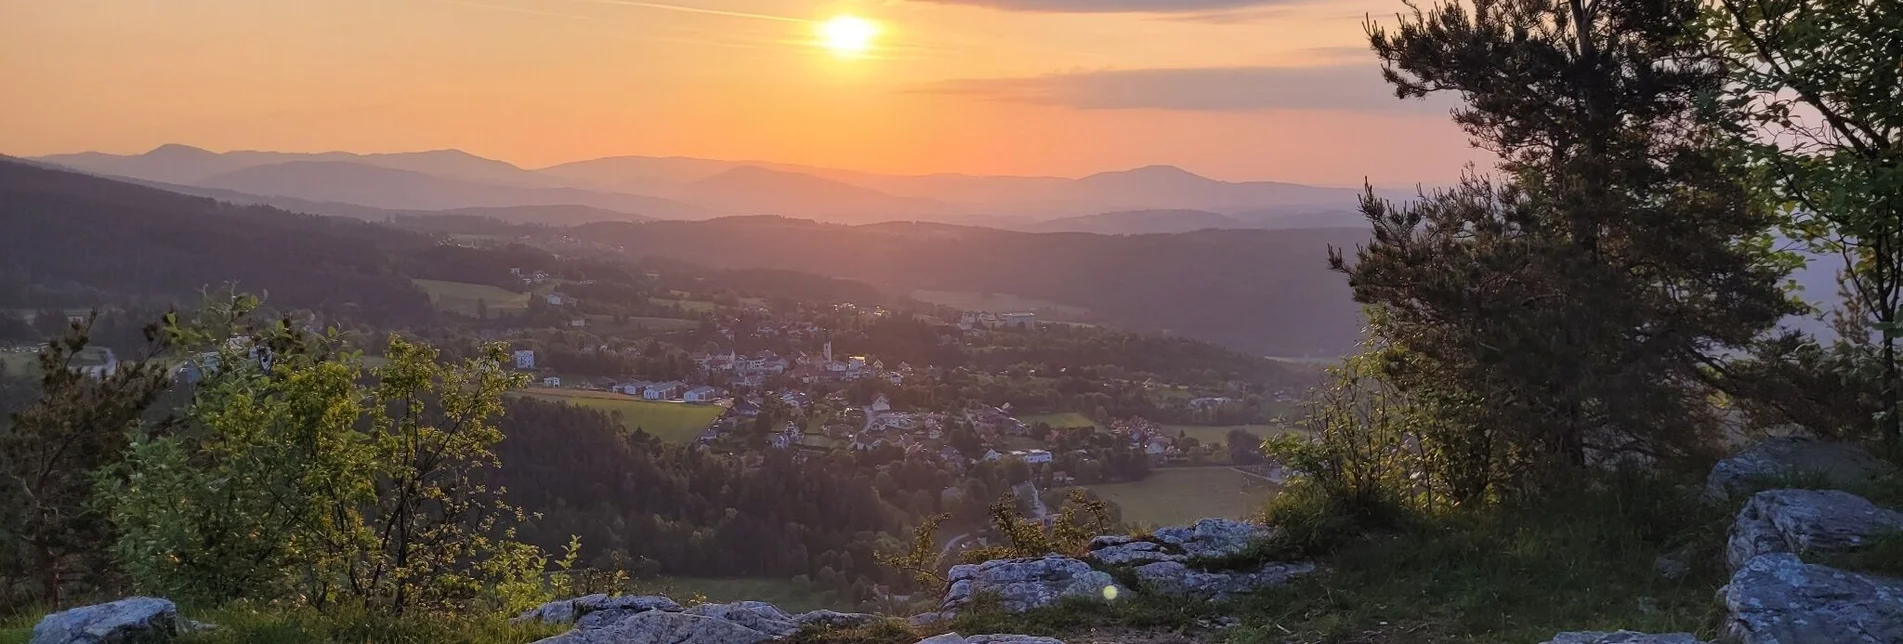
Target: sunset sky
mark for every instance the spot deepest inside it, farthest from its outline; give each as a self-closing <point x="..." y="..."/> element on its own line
<point x="1233" y="89"/>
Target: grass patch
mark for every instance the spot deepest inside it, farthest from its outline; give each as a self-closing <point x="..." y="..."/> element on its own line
<point x="690" y="306"/>
<point x="1181" y="495"/>
<point x="1583" y="560"/>
<point x="1060" y="420"/>
<point x="1881" y="555"/>
<point x="468" y="299"/>
<point x="669" y="421"/>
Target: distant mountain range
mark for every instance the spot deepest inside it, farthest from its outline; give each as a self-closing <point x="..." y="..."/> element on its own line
<point x="632" y="188"/>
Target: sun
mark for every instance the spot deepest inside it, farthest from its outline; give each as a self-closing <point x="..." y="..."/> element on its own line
<point x="847" y="36"/>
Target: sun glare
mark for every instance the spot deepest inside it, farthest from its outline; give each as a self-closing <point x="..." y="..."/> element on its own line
<point x="847" y="36"/>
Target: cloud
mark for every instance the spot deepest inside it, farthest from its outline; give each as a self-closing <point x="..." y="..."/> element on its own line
<point x="1353" y="87"/>
<point x="1118" y="6"/>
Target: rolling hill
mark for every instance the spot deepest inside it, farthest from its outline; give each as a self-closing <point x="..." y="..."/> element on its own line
<point x="1139" y="222"/>
<point x="377" y="187"/>
<point x="750" y="190"/>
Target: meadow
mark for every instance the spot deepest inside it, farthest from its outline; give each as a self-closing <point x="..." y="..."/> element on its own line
<point x="670" y="421"/>
<point x="1181" y="495"/>
<point x="1060" y="420"/>
<point x="467" y="299"/>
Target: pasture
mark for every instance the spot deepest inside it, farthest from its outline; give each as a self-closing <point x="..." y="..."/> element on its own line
<point x="1058" y="420"/>
<point x="998" y="303"/>
<point x="690" y="306"/>
<point x="467" y="299"/>
<point x="675" y="422"/>
<point x="1181" y="495"/>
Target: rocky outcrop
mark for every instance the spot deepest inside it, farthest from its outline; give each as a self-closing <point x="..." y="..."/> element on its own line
<point x="662" y="627"/>
<point x="1805" y="521"/>
<point x="1774" y="458"/>
<point x="1023" y="584"/>
<point x="1205" y="539"/>
<point x="135" y="620"/>
<point x="1622" y="637"/>
<point x="1176" y="578"/>
<point x="1777" y="599"/>
<point x="954" y="638"/>
<point x="834" y="619"/>
<point x="596" y="609"/>
<point x="759" y="616"/>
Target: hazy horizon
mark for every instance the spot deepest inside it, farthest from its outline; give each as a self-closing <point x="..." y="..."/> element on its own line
<point x="1235" y="90"/>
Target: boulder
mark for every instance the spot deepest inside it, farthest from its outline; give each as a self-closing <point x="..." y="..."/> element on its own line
<point x="1805" y="521"/>
<point x="833" y="619"/>
<point x="1777" y="599"/>
<point x="1774" y="458"/>
<point x="1214" y="538"/>
<point x="134" y="620"/>
<point x="1175" y="578"/>
<point x="759" y="616"/>
<point x="1134" y="553"/>
<point x="662" y="627"/>
<point x="1622" y="637"/>
<point x="596" y="610"/>
<point x="1023" y="584"/>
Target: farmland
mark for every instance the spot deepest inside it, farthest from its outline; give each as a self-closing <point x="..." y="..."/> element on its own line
<point x="1059" y="420"/>
<point x="469" y="299"/>
<point x="1180" y="495"/>
<point x="669" y="421"/>
<point x="998" y="303"/>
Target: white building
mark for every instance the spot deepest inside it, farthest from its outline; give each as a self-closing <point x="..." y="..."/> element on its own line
<point x="525" y="359"/>
<point x="1034" y="456"/>
<point x="1020" y="320"/>
<point x="552" y="381"/>
<point x="701" y="394"/>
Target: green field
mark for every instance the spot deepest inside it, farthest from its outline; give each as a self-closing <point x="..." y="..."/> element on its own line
<point x="1059" y="420"/>
<point x="998" y="303"/>
<point x="690" y="306"/>
<point x="1180" y="495"/>
<point x="467" y="299"/>
<point x="669" y="421"/>
<point x="779" y="592"/>
<point x="1208" y="434"/>
<point x="607" y="324"/>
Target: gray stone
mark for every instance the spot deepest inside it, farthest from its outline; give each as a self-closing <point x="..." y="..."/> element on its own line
<point x="1023" y="584"/>
<point x="943" y="638"/>
<point x="1213" y="538"/>
<point x="759" y="616"/>
<point x="922" y="620"/>
<point x="1774" y="458"/>
<point x="1622" y="637"/>
<point x="662" y="627"/>
<point x="1011" y="639"/>
<point x="1135" y="553"/>
<point x="1777" y="599"/>
<point x="1805" y="521"/>
<point x="1175" y="578"/>
<point x="833" y="619"/>
<point x="134" y="620"/>
<point x="595" y="610"/>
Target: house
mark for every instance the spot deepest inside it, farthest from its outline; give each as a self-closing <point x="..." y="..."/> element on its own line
<point x="992" y="455"/>
<point x="558" y="299"/>
<point x="746" y="408"/>
<point x="578" y="322"/>
<point x="880" y="404"/>
<point x="552" y="381"/>
<point x="663" y="391"/>
<point x="1034" y="456"/>
<point x="634" y="388"/>
<point x="1209" y="402"/>
<point x="525" y="359"/>
<point x="1019" y="320"/>
<point x="701" y="394"/>
<point x="796" y="399"/>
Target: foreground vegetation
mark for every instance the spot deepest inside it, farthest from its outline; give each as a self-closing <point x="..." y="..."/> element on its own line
<point x="1181" y="495"/>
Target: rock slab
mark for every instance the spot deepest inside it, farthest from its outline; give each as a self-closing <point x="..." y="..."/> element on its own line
<point x="954" y="638"/>
<point x="1023" y="584"/>
<point x="595" y="610"/>
<point x="1777" y="599"/>
<point x="661" y="627"/>
<point x="1175" y="578"/>
<point x="759" y="616"/>
<point x="1206" y="539"/>
<point x="1773" y="458"/>
<point x="1622" y="637"/>
<point x="134" y="620"/>
<point x="1805" y="521"/>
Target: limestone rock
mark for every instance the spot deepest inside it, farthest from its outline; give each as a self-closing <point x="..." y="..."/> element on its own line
<point x="1134" y="553"/>
<point x="954" y="638"/>
<point x="134" y="620"/>
<point x="833" y="619"/>
<point x="1622" y="637"/>
<point x="595" y="610"/>
<point x="1211" y="538"/>
<point x="662" y="627"/>
<point x="1772" y="458"/>
<point x="1777" y="599"/>
<point x="1023" y="584"/>
<point x="1804" y="521"/>
<point x="759" y="616"/>
<point x="1175" y="578"/>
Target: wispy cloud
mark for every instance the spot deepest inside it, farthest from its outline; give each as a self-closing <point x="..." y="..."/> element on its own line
<point x="1353" y="87"/>
<point x="1121" y="6"/>
<point x="691" y="9"/>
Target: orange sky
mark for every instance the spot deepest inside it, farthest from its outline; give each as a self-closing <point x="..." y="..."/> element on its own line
<point x="1271" y="89"/>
